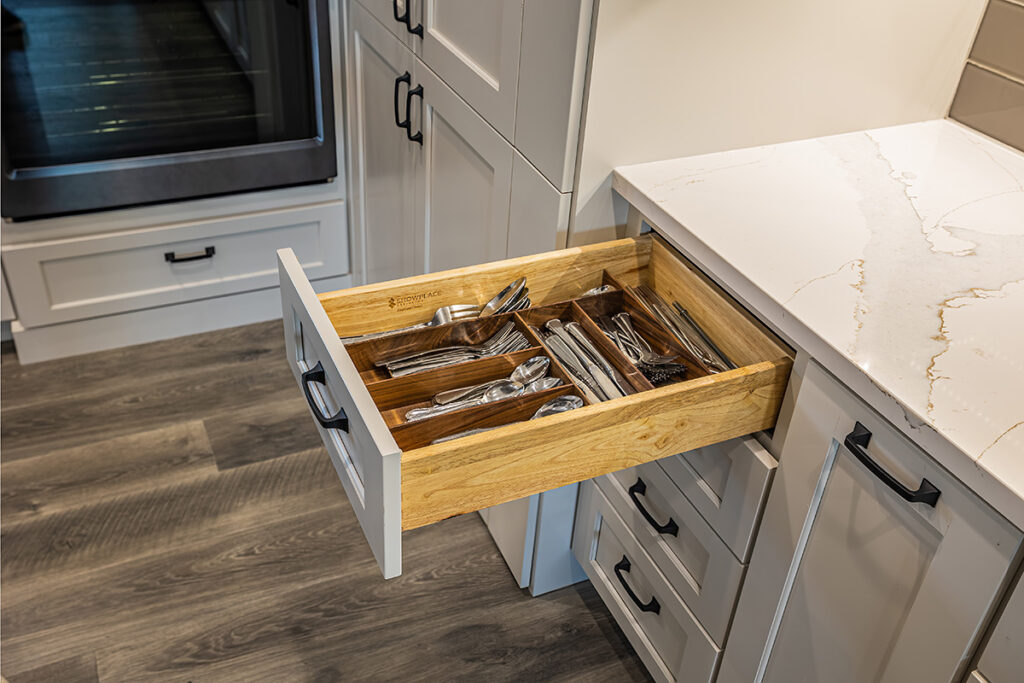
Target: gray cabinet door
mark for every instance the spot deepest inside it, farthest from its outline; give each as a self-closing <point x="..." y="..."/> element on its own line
<point x="473" y="45"/>
<point x="386" y="243"/>
<point x="464" y="179"/>
<point x="879" y="588"/>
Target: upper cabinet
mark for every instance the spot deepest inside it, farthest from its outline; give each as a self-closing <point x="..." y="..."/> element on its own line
<point x="519" y="64"/>
<point x="473" y="45"/>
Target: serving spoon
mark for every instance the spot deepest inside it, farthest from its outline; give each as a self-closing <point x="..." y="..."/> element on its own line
<point x="559" y="404"/>
<point x="506" y="388"/>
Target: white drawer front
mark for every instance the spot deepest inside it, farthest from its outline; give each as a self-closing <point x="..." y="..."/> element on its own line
<point x="694" y="559"/>
<point x="662" y="630"/>
<point x="86" y="277"/>
<point x="728" y="484"/>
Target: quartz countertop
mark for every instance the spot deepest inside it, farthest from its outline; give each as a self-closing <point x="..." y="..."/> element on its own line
<point x="894" y="257"/>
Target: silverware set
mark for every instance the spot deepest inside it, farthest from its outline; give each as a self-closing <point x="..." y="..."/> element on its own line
<point x="528" y="377"/>
<point x="559" y="404"/>
<point x="513" y="297"/>
<point x="596" y="377"/>
<point x="655" y="367"/>
<point x="677" y="320"/>
<point x="505" y="340"/>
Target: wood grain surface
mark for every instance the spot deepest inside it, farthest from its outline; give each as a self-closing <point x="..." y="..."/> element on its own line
<point x="168" y="516"/>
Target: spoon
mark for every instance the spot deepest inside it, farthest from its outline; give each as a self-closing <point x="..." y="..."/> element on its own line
<point x="506" y="388"/>
<point x="510" y="292"/>
<point x="559" y="404"/>
<point x="524" y="373"/>
<point x="542" y="384"/>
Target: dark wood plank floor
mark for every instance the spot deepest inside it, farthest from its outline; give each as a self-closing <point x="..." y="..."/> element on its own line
<point x="168" y="514"/>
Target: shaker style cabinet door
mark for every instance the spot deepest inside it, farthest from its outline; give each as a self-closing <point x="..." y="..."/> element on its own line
<point x="473" y="45"/>
<point x="400" y="17"/>
<point x="464" y="178"/>
<point x="897" y="564"/>
<point x="382" y="155"/>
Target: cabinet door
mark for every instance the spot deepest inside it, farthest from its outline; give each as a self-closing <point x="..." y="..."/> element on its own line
<point x="382" y="156"/>
<point x="473" y="45"/>
<point x="392" y="13"/>
<point x="464" y="177"/>
<point x="879" y="588"/>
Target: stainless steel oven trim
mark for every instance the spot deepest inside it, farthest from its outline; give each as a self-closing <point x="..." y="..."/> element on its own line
<point x="74" y="188"/>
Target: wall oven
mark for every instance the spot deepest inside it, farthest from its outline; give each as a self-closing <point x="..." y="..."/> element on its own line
<point x="113" y="103"/>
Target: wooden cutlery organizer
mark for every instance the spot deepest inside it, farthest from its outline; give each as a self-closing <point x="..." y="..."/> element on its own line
<point x="398" y="478"/>
<point x="395" y="396"/>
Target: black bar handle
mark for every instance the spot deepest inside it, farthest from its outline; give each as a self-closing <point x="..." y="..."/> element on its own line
<point x="317" y="374"/>
<point x="857" y="440"/>
<point x="639" y="489"/>
<point x="172" y="257"/>
<point x="625" y="566"/>
<point x="407" y="79"/>
<point x="406" y="18"/>
<point x="414" y="92"/>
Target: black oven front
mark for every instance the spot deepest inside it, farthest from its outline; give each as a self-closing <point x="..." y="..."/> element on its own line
<point x="113" y="103"/>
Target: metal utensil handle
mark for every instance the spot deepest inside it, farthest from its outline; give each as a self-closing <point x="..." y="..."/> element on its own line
<point x="172" y="257"/>
<point x="317" y="374"/>
<point x="856" y="442"/>
<point x="640" y="488"/>
<point x="651" y="606"/>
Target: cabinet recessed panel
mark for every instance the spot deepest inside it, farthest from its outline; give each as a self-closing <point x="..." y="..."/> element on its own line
<point x="384" y="192"/>
<point x="473" y="29"/>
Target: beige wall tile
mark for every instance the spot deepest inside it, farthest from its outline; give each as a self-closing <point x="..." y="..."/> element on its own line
<point x="1000" y="41"/>
<point x="991" y="104"/>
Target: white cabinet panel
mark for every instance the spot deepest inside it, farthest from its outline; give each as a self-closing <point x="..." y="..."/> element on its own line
<point x="1002" y="660"/>
<point x="538" y="215"/>
<point x="464" y="176"/>
<point x="6" y="305"/>
<point x="73" y="279"/>
<point x="473" y="45"/>
<point x="383" y="180"/>
<point x="873" y="587"/>
<point x="391" y="15"/>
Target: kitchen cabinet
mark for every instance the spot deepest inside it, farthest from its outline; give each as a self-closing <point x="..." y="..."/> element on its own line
<point x="397" y="481"/>
<point x="1002" y="659"/>
<point x="872" y="563"/>
<point x="383" y="193"/>
<point x="432" y="183"/>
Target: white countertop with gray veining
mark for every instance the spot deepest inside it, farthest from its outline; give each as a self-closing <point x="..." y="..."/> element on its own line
<point x="895" y="257"/>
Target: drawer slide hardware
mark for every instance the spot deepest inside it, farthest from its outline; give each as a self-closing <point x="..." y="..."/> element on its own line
<point x="172" y="257"/>
<point x="317" y="374"/>
<point x="639" y="489"/>
<point x="856" y="442"/>
<point x="624" y="565"/>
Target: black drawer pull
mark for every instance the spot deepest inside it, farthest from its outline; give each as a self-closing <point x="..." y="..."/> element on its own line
<point x="639" y="489"/>
<point x="413" y="92"/>
<point x="406" y="18"/>
<point x="407" y="79"/>
<point x="317" y="374"/>
<point x="624" y="566"/>
<point x="171" y="257"/>
<point x="857" y="440"/>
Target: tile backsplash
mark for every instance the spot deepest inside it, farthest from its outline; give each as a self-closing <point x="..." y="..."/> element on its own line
<point x="990" y="97"/>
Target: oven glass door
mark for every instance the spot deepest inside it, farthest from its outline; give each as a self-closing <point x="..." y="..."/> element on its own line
<point x="174" y="93"/>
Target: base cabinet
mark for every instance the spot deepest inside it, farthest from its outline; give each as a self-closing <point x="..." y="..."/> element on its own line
<point x="850" y="581"/>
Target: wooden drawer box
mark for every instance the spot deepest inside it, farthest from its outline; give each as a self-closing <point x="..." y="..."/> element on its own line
<point x="691" y="556"/>
<point x="665" y="634"/>
<point x="395" y="479"/>
<point x="728" y="483"/>
<point x="96" y="275"/>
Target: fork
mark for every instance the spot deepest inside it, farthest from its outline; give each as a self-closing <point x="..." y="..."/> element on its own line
<point x="442" y="316"/>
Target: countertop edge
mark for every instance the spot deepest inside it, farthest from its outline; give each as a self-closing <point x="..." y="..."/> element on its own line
<point x="971" y="472"/>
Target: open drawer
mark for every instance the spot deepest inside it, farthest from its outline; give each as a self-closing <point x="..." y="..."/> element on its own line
<point x="396" y="479"/>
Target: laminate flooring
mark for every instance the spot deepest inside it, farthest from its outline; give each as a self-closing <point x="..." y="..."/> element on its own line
<point x="168" y="514"/>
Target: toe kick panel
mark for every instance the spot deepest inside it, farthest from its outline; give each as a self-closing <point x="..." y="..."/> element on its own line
<point x="400" y="473"/>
